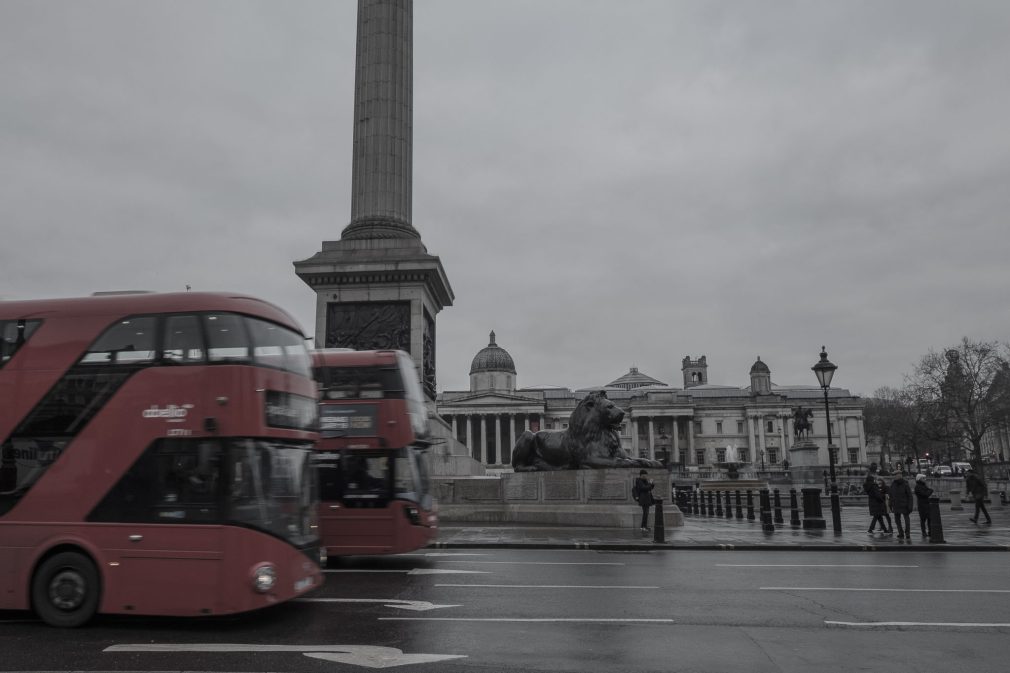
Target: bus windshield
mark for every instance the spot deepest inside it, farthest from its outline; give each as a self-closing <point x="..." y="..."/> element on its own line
<point x="273" y="489"/>
<point x="266" y="485"/>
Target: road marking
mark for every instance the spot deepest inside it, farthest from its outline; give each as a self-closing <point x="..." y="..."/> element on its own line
<point x="544" y="586"/>
<point x="965" y="625"/>
<point x="367" y="656"/>
<point x="808" y="565"/>
<point x="417" y="606"/>
<point x="444" y="553"/>
<point x="942" y="591"/>
<point x="542" y="563"/>
<point x="413" y="571"/>
<point x="567" y="620"/>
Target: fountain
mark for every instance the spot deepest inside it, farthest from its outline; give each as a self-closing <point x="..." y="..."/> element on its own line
<point x="731" y="463"/>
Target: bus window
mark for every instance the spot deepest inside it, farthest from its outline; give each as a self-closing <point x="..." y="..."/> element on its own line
<point x="183" y="340"/>
<point x="128" y="341"/>
<point x="330" y="483"/>
<point x="13" y="335"/>
<point x="278" y="347"/>
<point x="366" y="480"/>
<point x="404" y="477"/>
<point x="226" y="337"/>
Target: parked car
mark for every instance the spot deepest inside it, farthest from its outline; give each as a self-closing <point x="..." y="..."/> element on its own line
<point x="942" y="471"/>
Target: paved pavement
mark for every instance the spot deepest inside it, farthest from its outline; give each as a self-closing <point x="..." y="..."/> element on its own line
<point x="710" y="532"/>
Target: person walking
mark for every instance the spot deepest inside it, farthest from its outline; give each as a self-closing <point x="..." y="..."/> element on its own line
<point x="886" y="492"/>
<point x="901" y="505"/>
<point x="922" y="493"/>
<point x="642" y="493"/>
<point x="874" y="499"/>
<point x="974" y="484"/>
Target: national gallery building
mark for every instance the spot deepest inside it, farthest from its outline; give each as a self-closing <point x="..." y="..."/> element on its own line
<point x="693" y="425"/>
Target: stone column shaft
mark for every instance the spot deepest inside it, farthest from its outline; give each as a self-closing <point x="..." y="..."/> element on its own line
<point x="382" y="165"/>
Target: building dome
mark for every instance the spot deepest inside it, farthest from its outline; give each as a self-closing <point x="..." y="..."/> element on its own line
<point x="492" y="358"/>
<point x="760" y="367"/>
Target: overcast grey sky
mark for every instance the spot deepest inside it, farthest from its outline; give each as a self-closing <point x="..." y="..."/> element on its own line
<point x="608" y="183"/>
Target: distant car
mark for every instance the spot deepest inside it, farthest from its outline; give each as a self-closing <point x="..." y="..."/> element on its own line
<point x="942" y="471"/>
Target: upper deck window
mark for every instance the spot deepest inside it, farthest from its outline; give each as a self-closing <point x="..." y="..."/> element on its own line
<point x="182" y="342"/>
<point x="279" y="347"/>
<point x="227" y="339"/>
<point x="129" y="341"/>
<point x="13" y="335"/>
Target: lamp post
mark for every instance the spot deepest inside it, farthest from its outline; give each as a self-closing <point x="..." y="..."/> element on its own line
<point x="824" y="371"/>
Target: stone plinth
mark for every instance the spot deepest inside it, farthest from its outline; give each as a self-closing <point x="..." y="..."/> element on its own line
<point x="591" y="498"/>
<point x="804" y="463"/>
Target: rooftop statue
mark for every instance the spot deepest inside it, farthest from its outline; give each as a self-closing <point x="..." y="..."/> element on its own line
<point x="592" y="440"/>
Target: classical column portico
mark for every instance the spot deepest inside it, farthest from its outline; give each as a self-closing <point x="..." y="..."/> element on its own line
<point x="676" y="440"/>
<point x="497" y="439"/>
<point x="483" y="439"/>
<point x="652" y="438"/>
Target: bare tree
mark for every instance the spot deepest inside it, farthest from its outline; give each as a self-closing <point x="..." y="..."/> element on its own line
<point x="968" y="386"/>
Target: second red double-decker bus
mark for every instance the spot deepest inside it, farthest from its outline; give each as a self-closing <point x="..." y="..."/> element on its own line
<point x="375" y="494"/>
<point x="155" y="456"/>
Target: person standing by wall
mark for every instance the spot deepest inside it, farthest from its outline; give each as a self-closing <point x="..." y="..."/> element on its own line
<point x="642" y="493"/>
<point x="922" y="493"/>
<point x="885" y="492"/>
<point x="974" y="484"/>
<point x="901" y="505"/>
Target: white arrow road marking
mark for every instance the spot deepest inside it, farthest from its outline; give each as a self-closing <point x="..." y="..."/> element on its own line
<point x="417" y="606"/>
<point x="540" y="563"/>
<point x="446" y="553"/>
<point x="368" y="656"/>
<point x="413" y="571"/>
<point x="807" y="565"/>
<point x="543" y="586"/>
<point x="575" y="620"/>
<point x="966" y="625"/>
<point x="941" y="591"/>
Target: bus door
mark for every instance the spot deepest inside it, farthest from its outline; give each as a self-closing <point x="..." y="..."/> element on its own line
<point x="356" y="489"/>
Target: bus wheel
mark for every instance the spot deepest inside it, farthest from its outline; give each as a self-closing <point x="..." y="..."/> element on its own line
<point x="65" y="590"/>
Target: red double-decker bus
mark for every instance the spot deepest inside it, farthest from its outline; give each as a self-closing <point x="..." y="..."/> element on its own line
<point x="375" y="494"/>
<point x="155" y="457"/>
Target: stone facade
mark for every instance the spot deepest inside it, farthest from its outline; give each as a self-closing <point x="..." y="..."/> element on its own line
<point x="690" y="427"/>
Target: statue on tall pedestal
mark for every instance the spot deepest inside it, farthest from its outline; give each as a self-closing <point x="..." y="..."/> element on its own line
<point x="592" y="440"/>
<point x="801" y="422"/>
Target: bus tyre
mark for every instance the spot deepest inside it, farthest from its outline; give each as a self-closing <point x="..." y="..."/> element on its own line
<point x="65" y="590"/>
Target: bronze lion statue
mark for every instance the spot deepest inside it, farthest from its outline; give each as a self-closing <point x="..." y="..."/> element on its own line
<point x="592" y="440"/>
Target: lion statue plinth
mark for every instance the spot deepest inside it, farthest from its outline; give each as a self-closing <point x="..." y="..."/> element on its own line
<point x="592" y="440"/>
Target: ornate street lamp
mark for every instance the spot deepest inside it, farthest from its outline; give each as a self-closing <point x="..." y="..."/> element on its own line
<point x="824" y="371"/>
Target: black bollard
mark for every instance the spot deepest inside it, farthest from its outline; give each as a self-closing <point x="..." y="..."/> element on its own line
<point x="729" y="506"/>
<point x="766" y="512"/>
<point x="750" y="505"/>
<point x="813" y="518"/>
<point x="778" y="507"/>
<point x="739" y="507"/>
<point x="935" y="526"/>
<point x="694" y="505"/>
<point x="711" y="503"/>
<point x="659" y="527"/>
<point x="718" y="503"/>
<point x="794" y="509"/>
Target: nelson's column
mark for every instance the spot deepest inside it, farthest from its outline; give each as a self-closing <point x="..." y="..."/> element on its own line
<point x="377" y="287"/>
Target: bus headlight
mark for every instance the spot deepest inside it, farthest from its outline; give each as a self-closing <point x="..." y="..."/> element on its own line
<point x="412" y="515"/>
<point x="264" y="578"/>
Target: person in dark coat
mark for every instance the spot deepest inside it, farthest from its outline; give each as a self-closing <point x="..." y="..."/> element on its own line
<point x="922" y="493"/>
<point x="886" y="491"/>
<point x="974" y="484"/>
<point x="901" y="505"/>
<point x="642" y="492"/>
<point x="875" y="499"/>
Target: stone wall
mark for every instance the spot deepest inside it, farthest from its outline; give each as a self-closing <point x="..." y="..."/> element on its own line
<point x="596" y="498"/>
